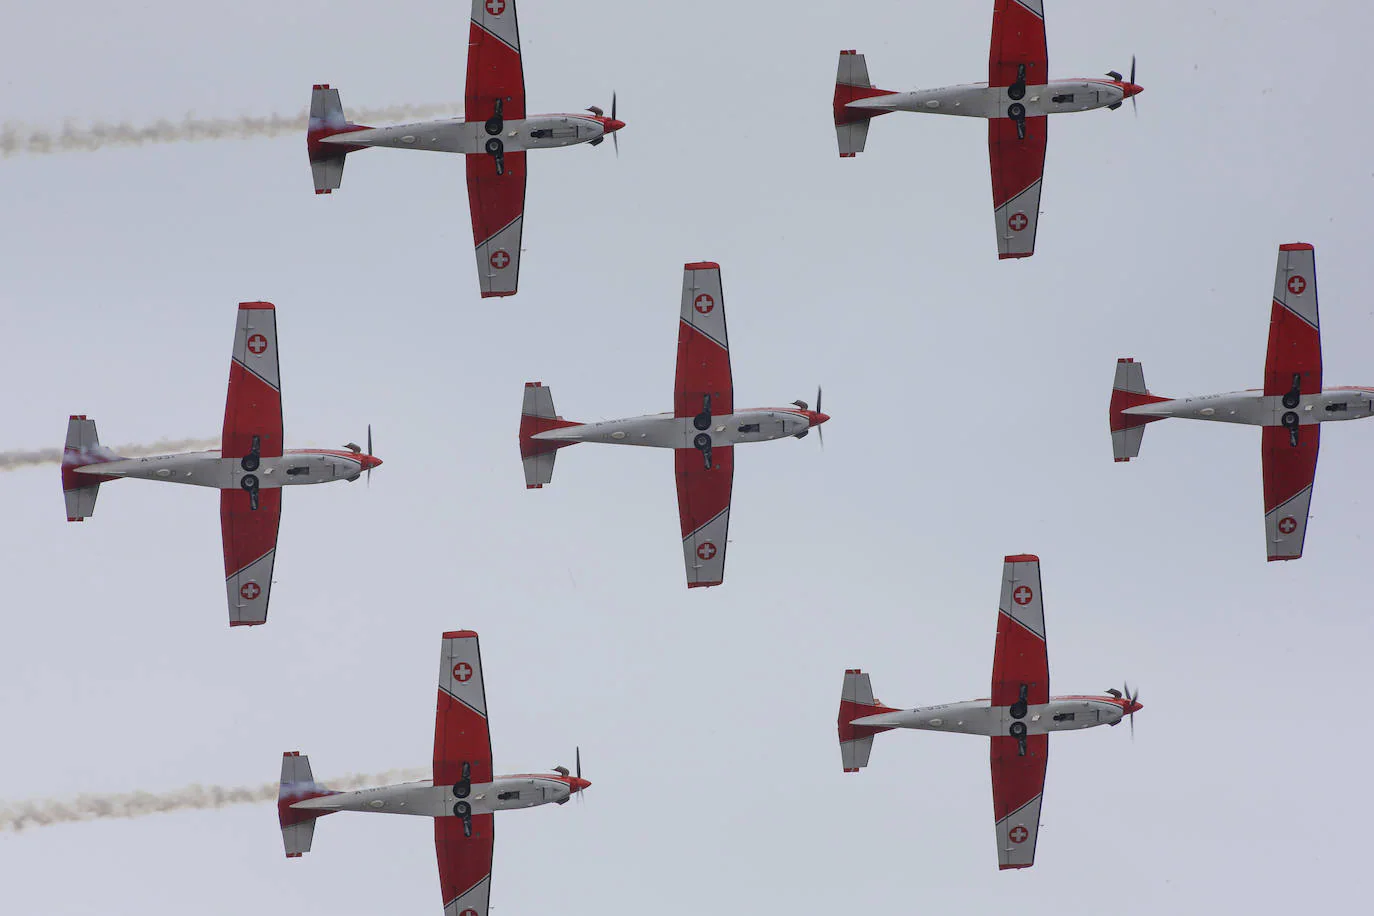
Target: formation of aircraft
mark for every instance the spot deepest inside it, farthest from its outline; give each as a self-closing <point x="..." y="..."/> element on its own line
<point x="1017" y="100"/>
<point x="463" y="796"/>
<point x="702" y="430"/>
<point x="1019" y="716"/>
<point x="249" y="469"/>
<point x="493" y="134"/>
<point x="1288" y="408"/>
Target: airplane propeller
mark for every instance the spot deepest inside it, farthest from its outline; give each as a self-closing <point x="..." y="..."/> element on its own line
<point x="357" y="450"/>
<point x="1130" y="699"/>
<point x="1116" y="77"/>
<point x="563" y="771"/>
<point x="615" y="139"/>
<point x="804" y="406"/>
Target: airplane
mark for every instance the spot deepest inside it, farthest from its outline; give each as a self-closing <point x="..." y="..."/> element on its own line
<point x="1018" y="718"/>
<point x="703" y="428"/>
<point x="493" y="134"/>
<point x="249" y="469"/>
<point x="1016" y="100"/>
<point x="1288" y="407"/>
<point x="462" y="797"/>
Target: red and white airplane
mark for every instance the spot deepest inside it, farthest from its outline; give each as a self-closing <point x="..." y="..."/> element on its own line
<point x="1288" y="407"/>
<point x="703" y="428"/>
<point x="462" y="797"/>
<point x="1016" y="100"/>
<point x="494" y="134"/>
<point x="1019" y="717"/>
<point x="249" y="469"/>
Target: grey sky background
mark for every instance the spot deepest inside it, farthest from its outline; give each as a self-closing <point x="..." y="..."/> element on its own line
<point x="969" y="400"/>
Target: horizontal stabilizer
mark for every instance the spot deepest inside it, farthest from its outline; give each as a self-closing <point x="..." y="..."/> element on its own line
<point x="298" y="784"/>
<point x="856" y="701"/>
<point x="1128" y="390"/>
<point x="326" y="120"/>
<point x="536" y="416"/>
<point x="851" y="84"/>
<point x="82" y="450"/>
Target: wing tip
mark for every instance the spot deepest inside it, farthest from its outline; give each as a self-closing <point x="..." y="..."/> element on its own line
<point x="1022" y="558"/>
<point x="1004" y="867"/>
<point x="1004" y="255"/>
<point x="461" y="634"/>
<point x="701" y="265"/>
<point x="247" y="623"/>
<point x="256" y="306"/>
<point x="1296" y="556"/>
<point x="497" y="294"/>
<point x="705" y="584"/>
<point x="1297" y="246"/>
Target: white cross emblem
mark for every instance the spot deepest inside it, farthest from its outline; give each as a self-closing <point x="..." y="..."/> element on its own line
<point x="706" y="550"/>
<point x="1296" y="284"/>
<point x="496" y="8"/>
<point x="705" y="303"/>
<point x="1018" y="221"/>
<point x="1018" y="834"/>
<point x="249" y="590"/>
<point x="257" y="344"/>
<point x="462" y="672"/>
<point x="500" y="258"/>
<point x="1288" y="524"/>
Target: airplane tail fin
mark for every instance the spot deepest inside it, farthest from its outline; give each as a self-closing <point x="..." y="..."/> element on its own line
<point x="1128" y="390"/>
<point x="326" y="120"/>
<point x="297" y="784"/>
<point x="537" y="416"/>
<point x="856" y="701"/>
<point x="852" y="84"/>
<point x="82" y="449"/>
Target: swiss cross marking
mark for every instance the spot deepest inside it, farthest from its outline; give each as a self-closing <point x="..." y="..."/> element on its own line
<point x="1022" y="595"/>
<point x="499" y="258"/>
<point x="462" y="672"/>
<point x="257" y="344"/>
<point x="705" y="304"/>
<point x="1296" y="284"/>
<point x="706" y="550"/>
<point x="1018" y="221"/>
<point x="249" y="590"/>
<point x="1018" y="834"/>
<point x="496" y="8"/>
<point x="1288" y="524"/>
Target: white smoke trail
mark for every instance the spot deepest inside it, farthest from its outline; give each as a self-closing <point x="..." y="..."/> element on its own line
<point x="17" y="138"/>
<point x="47" y="812"/>
<point x="12" y="461"/>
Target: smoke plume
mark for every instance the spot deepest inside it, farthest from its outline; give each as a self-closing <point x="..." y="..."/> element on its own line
<point x="47" y="812"/>
<point x="13" y="461"/>
<point x="16" y="138"/>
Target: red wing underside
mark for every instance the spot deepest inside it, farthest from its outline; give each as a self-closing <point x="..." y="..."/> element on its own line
<point x="1295" y="348"/>
<point x="703" y="367"/>
<point x="1288" y="475"/>
<point x="497" y="204"/>
<point x="1018" y="783"/>
<point x="250" y="546"/>
<point x="703" y="504"/>
<point x="460" y="735"/>
<point x="464" y="863"/>
<point x="1018" y="167"/>
<point x="1018" y="37"/>
<point x="253" y="408"/>
<point x="1020" y="658"/>
<point x="494" y="71"/>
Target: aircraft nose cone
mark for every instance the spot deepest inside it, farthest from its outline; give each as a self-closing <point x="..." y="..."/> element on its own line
<point x="1134" y="707"/>
<point x="577" y="783"/>
<point x="612" y="125"/>
<point x="820" y="418"/>
<point x="1132" y="89"/>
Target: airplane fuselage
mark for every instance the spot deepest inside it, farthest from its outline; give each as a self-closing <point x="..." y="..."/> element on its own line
<point x="667" y="431"/>
<point x="505" y="793"/>
<point x="458" y="136"/>
<point x="208" y="469"/>
<point x="978" y="100"/>
<point x="1255" y="408"/>
<point x="980" y="717"/>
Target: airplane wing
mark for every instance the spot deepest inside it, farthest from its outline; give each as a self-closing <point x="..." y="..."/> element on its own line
<point x="1020" y="678"/>
<point x="252" y="412"/>
<point x="1292" y="368"/>
<point x="1018" y="167"/>
<point x="250" y="549"/>
<point x="703" y="346"/>
<point x="703" y="389"/>
<point x="1018" y="782"/>
<point x="253" y="407"/>
<point x="461" y="738"/>
<point x="703" y="506"/>
<point x="497" y="201"/>
<point x="1018" y="58"/>
<point x="1018" y="39"/>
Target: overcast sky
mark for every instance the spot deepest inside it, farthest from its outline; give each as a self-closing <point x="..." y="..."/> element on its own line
<point x="970" y="421"/>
